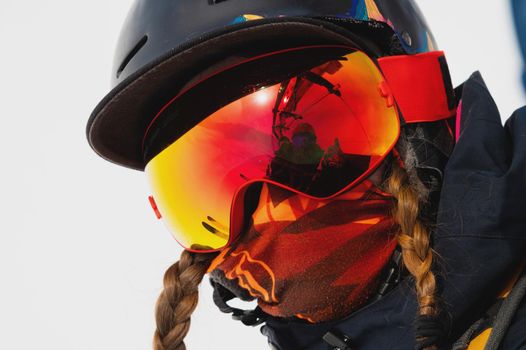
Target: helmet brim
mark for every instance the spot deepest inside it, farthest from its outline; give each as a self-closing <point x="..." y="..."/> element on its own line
<point x="116" y="126"/>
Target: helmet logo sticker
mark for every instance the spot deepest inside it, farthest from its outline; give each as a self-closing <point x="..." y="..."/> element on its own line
<point x="365" y="10"/>
<point x="246" y="18"/>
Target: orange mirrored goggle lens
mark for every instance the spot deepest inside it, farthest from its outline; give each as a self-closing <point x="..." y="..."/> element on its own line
<point x="318" y="132"/>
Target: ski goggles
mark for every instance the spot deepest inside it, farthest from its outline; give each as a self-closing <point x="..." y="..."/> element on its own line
<point x="313" y="120"/>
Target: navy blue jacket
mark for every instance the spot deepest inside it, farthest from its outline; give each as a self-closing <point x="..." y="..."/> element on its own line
<point x="519" y="15"/>
<point x="480" y="239"/>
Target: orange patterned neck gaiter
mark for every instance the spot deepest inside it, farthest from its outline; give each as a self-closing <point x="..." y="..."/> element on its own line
<point x="312" y="259"/>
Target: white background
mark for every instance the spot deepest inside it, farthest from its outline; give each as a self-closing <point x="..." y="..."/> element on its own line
<point x="81" y="255"/>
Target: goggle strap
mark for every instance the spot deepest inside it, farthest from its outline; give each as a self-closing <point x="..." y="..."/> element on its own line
<point x="421" y="85"/>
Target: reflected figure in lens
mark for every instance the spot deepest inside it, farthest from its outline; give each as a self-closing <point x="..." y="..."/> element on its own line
<point x="297" y="160"/>
<point x="305" y="166"/>
<point x="305" y="149"/>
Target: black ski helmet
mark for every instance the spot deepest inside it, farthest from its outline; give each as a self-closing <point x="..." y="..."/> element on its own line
<point x="165" y="43"/>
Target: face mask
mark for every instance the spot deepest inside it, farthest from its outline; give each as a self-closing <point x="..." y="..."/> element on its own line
<point x="317" y="260"/>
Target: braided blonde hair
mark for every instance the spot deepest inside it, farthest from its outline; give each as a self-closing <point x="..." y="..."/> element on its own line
<point x="414" y="239"/>
<point x="179" y="299"/>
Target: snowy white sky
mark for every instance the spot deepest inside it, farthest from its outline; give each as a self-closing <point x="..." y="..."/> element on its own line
<point x="81" y="255"/>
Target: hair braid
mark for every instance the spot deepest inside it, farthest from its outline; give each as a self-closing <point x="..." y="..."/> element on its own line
<point x="414" y="239"/>
<point x="178" y="300"/>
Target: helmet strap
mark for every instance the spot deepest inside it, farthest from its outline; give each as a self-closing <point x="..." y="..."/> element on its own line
<point x="222" y="295"/>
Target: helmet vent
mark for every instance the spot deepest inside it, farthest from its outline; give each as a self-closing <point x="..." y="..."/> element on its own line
<point x="215" y="2"/>
<point x="132" y="53"/>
